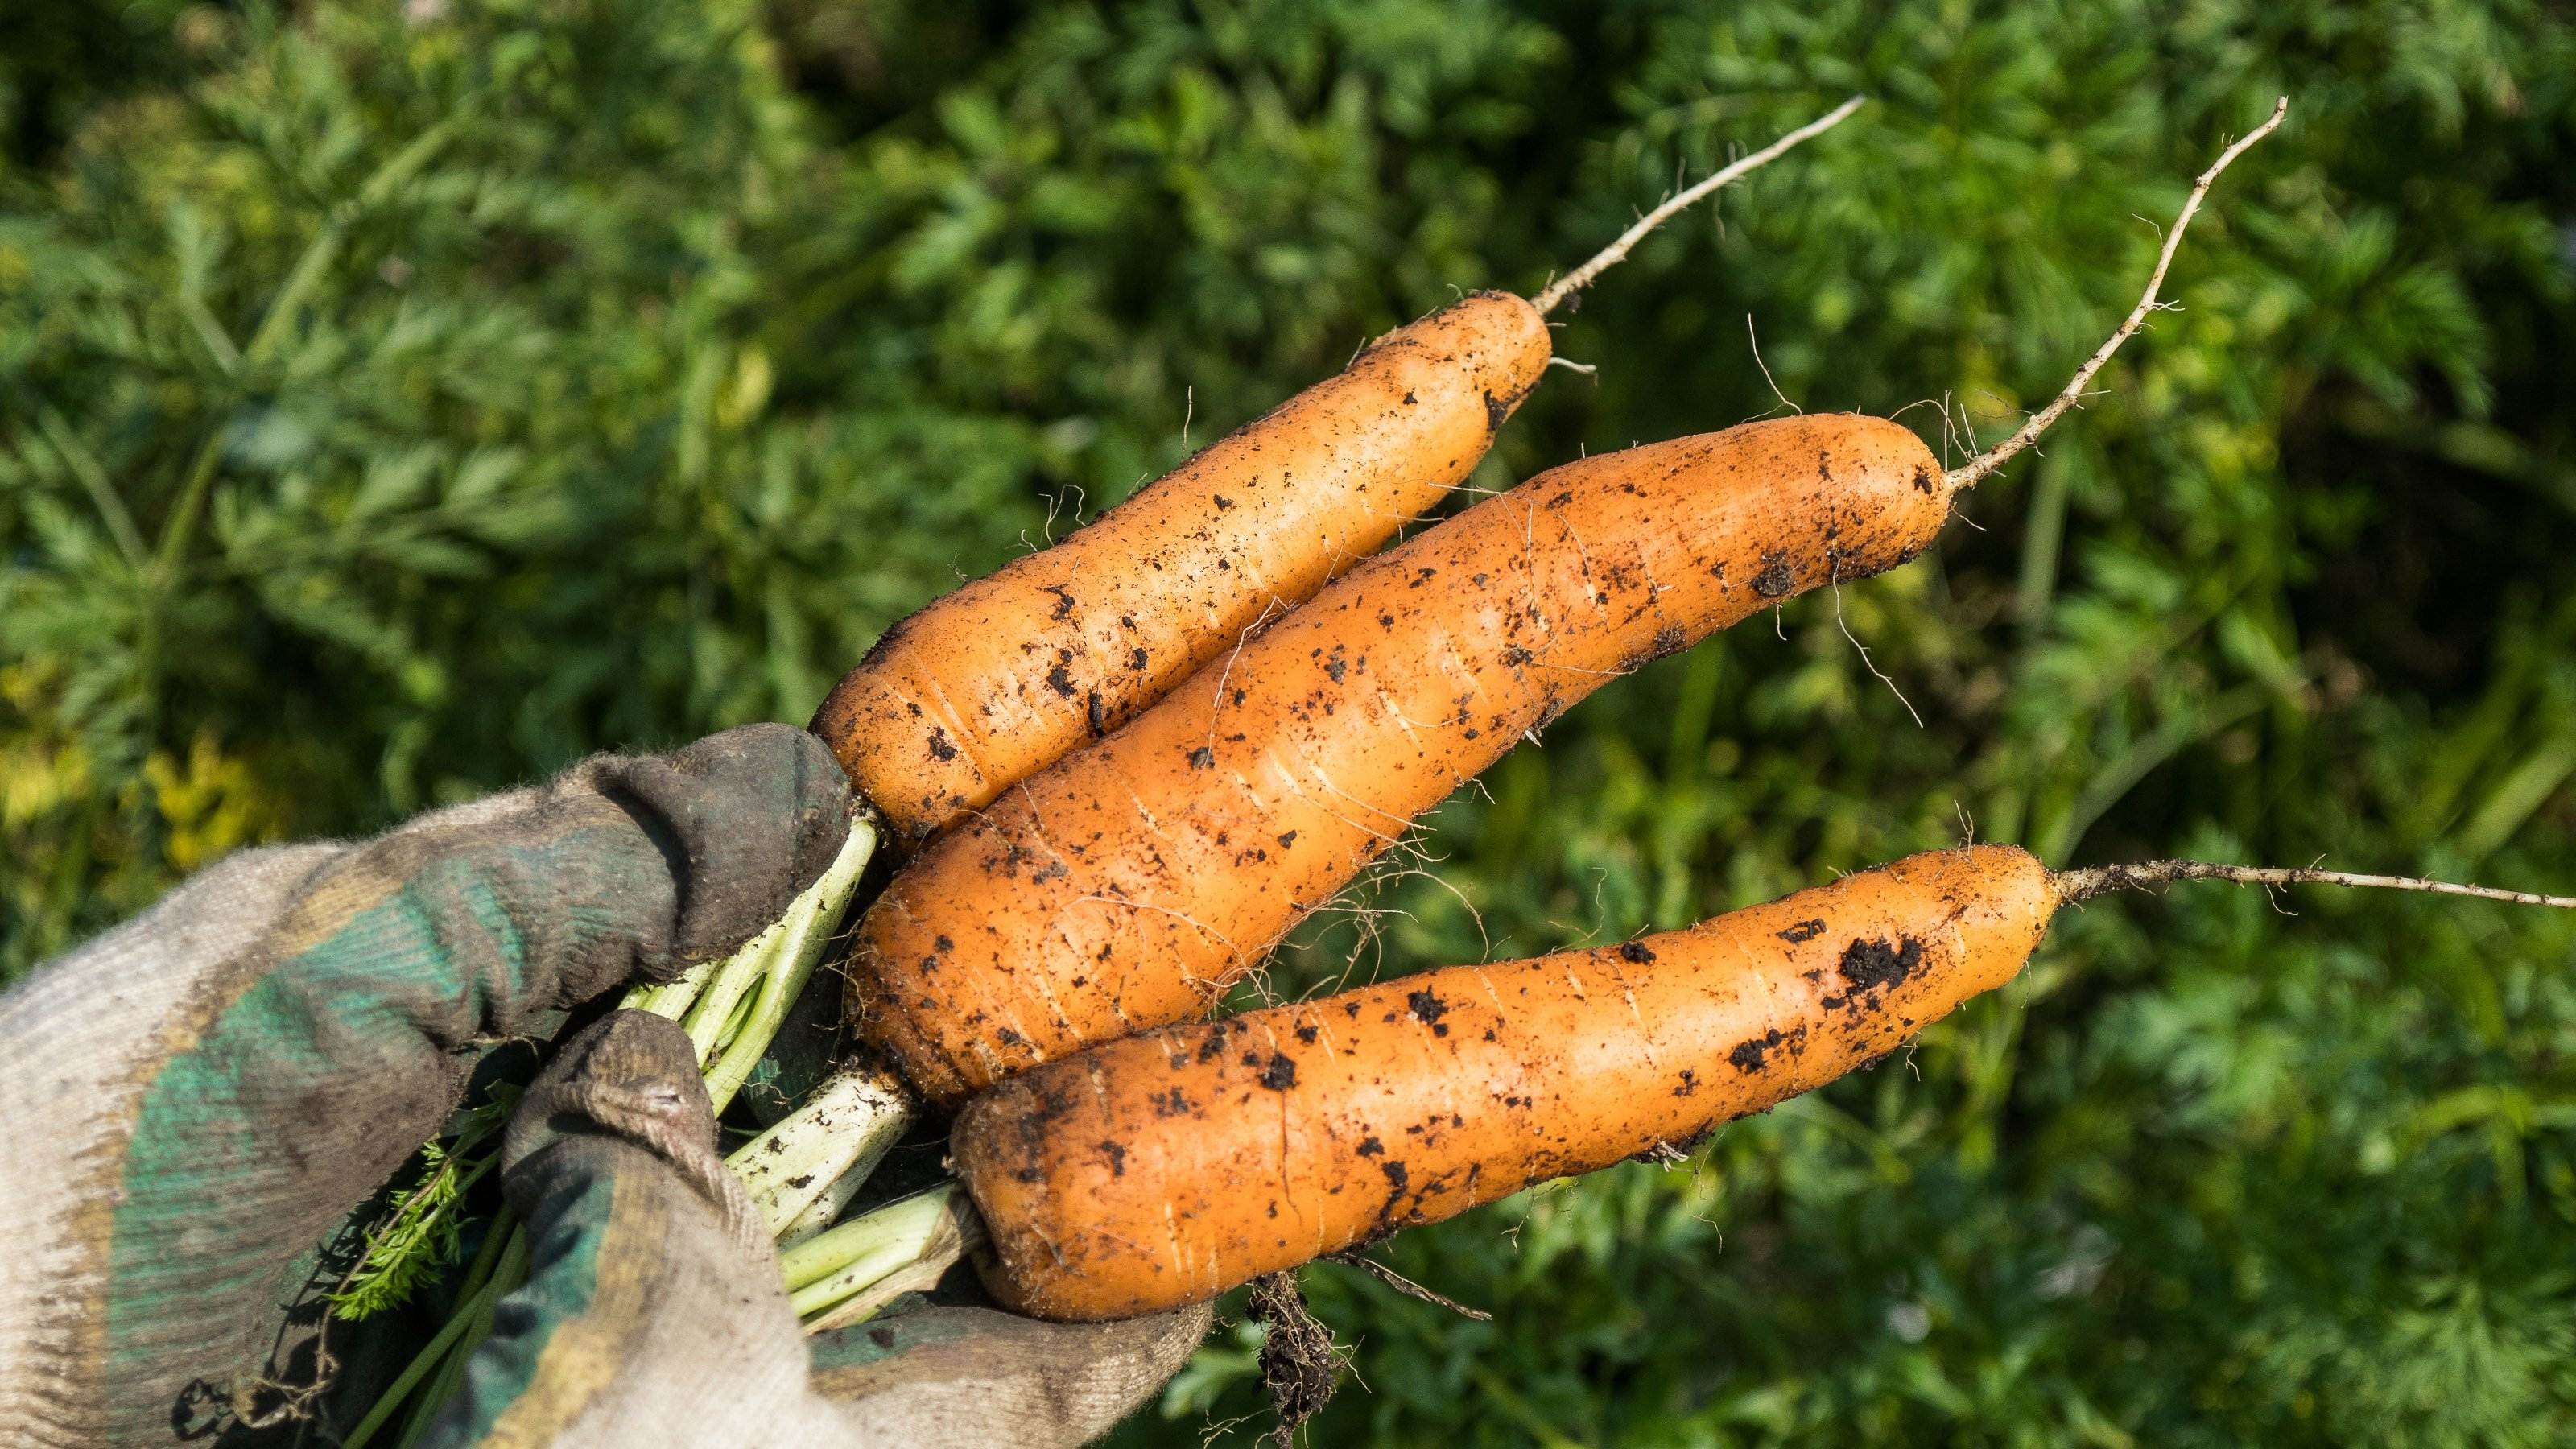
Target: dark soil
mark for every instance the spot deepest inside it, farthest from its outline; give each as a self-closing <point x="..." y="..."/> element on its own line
<point x="1299" y="1362"/>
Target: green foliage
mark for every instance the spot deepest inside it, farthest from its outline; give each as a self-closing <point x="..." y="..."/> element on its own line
<point x="418" y="1235"/>
<point x="398" y="401"/>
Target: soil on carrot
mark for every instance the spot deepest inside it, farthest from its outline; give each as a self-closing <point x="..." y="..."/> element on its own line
<point x="1776" y="580"/>
<point x="1751" y="1054"/>
<point x="1870" y="964"/>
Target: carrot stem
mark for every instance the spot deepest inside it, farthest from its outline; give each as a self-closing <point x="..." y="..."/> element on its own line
<point x="842" y="1131"/>
<point x="855" y="1256"/>
<point x="805" y="933"/>
<point x="819" y="1215"/>
<point x="732" y="1007"/>
<point x="477" y="1288"/>
<point x="708" y="1017"/>
<point x="955" y="1235"/>
<point x="671" y="998"/>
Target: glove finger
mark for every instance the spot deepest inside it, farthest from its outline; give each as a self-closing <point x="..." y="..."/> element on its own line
<point x="744" y="820"/>
<point x="950" y="1378"/>
<point x="653" y="1312"/>
<point x="221" y="1080"/>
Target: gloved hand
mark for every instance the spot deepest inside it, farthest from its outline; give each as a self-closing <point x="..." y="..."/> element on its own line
<point x="190" y="1103"/>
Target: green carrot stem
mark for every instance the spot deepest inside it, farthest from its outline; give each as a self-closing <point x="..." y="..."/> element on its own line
<point x="805" y="933"/>
<point x="670" y="998"/>
<point x="826" y="1209"/>
<point x="507" y="1274"/>
<point x="734" y="1031"/>
<point x="472" y="1291"/>
<point x="901" y="1226"/>
<point x="712" y="1012"/>
<point x="892" y="1251"/>
<point x="842" y="1131"/>
<point x="918" y="1276"/>
<point x="789" y="948"/>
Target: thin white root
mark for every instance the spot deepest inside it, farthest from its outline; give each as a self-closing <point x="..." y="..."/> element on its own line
<point x="1868" y="663"/>
<point x="1409" y="1288"/>
<point x="1756" y="342"/>
<point x="1610" y="256"/>
<point x="1968" y="474"/>
<point x="2091" y="881"/>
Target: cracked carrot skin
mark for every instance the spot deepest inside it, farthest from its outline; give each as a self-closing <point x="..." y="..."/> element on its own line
<point x="999" y="678"/>
<point x="1122" y="888"/>
<point x="1166" y="1168"/>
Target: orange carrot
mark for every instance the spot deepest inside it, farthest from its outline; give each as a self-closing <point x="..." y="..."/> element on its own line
<point x="1166" y="1168"/>
<point x="1169" y="1167"/>
<point x="1124" y="887"/>
<point x="1128" y="884"/>
<point x="1005" y="675"/>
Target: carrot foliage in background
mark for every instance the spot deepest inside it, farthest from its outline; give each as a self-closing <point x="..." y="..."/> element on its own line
<point x="399" y="401"/>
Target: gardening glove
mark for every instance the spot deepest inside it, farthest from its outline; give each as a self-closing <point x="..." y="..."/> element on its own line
<point x="654" y="1312"/>
<point x="193" y="1101"/>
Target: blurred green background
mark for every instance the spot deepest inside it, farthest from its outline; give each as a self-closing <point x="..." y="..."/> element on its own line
<point x="398" y="400"/>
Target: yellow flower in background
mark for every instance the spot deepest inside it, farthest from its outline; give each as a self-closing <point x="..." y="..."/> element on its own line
<point x="211" y="804"/>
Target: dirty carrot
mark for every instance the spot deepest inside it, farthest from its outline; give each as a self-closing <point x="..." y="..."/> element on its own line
<point x="1123" y="887"/>
<point x="1006" y="674"/>
<point x="961" y="700"/>
<point x="1166" y="1168"/>
<point x="1127" y="885"/>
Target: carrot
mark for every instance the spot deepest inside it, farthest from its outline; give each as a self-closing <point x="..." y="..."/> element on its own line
<point x="1001" y="677"/>
<point x="996" y="679"/>
<point x="1166" y="1168"/>
<point x="1129" y="884"/>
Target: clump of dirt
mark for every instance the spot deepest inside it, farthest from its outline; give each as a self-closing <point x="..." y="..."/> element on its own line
<point x="1299" y="1362"/>
<point x="1872" y="964"/>
<point x="1777" y="580"/>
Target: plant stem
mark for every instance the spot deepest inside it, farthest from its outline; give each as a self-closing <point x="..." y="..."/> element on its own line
<point x="933" y="1227"/>
<point x="804" y="934"/>
<point x="85" y="466"/>
<point x="709" y="1015"/>
<point x="477" y="1285"/>
<point x="507" y="1274"/>
<point x="708" y="998"/>
<point x="840" y="1133"/>
<point x="918" y="1276"/>
<point x="670" y="998"/>
<point x="826" y="1209"/>
<point x="826" y="1255"/>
